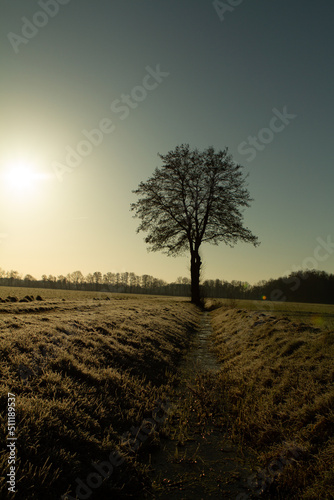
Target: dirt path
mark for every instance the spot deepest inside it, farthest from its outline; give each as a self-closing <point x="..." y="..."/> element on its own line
<point x="197" y="461"/>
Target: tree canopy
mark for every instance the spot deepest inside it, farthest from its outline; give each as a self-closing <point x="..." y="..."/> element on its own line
<point x="195" y="197"/>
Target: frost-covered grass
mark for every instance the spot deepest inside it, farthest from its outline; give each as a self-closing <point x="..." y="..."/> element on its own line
<point x="277" y="382"/>
<point x="84" y="372"/>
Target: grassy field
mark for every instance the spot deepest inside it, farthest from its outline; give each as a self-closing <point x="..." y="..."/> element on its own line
<point x="89" y="369"/>
<point x="321" y="315"/>
<point x="277" y="379"/>
<point x="83" y="373"/>
<point x="318" y="315"/>
<point x="53" y="293"/>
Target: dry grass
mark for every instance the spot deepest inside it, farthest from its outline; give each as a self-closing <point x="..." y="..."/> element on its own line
<point x="54" y="293"/>
<point x="83" y="373"/>
<point x="278" y="385"/>
<point x="319" y="315"/>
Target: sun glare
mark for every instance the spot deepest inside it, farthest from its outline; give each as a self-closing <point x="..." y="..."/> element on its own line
<point x="20" y="178"/>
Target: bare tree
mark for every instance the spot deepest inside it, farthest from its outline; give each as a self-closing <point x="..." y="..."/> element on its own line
<point x="61" y="281"/>
<point x="90" y="280"/>
<point x="28" y="278"/>
<point x="194" y="198"/>
<point x="13" y="277"/>
<point x="97" y="276"/>
<point x="108" y="278"/>
<point x="77" y="278"/>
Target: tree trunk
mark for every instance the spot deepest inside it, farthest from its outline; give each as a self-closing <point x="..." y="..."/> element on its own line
<point x="195" y="267"/>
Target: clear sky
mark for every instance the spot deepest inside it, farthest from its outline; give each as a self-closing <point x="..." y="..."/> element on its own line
<point x="193" y="73"/>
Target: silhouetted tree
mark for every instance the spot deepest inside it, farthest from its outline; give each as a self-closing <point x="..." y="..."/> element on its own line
<point x="77" y="278"/>
<point x="125" y="278"/>
<point x="61" y="281"/>
<point x="90" y="281"/>
<point x="108" y="279"/>
<point x="97" y="276"/>
<point x="13" y="277"/>
<point x="51" y="279"/>
<point x="195" y="197"/>
<point x="28" y="278"/>
<point x="133" y="281"/>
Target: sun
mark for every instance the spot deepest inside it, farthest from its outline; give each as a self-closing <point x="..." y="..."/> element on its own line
<point x="20" y="177"/>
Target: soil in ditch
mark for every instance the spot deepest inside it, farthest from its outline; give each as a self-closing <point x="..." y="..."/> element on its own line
<point x="196" y="459"/>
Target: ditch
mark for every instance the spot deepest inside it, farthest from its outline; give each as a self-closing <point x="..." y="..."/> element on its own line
<point x="196" y="459"/>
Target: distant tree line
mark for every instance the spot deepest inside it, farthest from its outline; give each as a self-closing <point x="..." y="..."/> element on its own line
<point x="110" y="282"/>
<point x="300" y="286"/>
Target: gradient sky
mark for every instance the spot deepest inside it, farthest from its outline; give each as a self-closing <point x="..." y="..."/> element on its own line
<point x="224" y="74"/>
